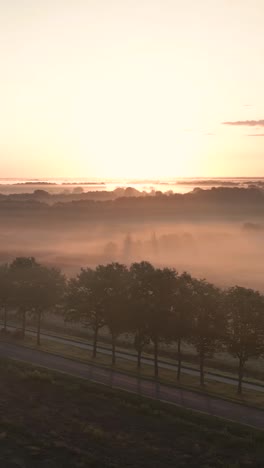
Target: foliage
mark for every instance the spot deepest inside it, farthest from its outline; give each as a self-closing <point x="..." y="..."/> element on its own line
<point x="181" y="316"/>
<point x="140" y="300"/>
<point x="85" y="301"/>
<point x="245" y="332"/>
<point x="35" y="288"/>
<point x="114" y="284"/>
<point x="154" y="305"/>
<point x="209" y="321"/>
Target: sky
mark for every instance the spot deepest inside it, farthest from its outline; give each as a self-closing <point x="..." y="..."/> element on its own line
<point x="131" y="88"/>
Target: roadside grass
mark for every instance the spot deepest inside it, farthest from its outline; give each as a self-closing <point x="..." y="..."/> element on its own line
<point x="55" y="420"/>
<point x="223" y="368"/>
<point x="222" y="363"/>
<point x="166" y="376"/>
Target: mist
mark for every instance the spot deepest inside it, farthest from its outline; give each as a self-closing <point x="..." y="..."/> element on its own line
<point x="226" y="253"/>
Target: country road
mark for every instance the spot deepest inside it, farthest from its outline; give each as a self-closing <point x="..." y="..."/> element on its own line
<point x="146" y="360"/>
<point x="185" y="398"/>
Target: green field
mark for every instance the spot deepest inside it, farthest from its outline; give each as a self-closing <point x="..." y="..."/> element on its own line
<point x="51" y="420"/>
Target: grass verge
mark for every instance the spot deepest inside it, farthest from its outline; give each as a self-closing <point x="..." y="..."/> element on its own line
<point x="166" y="376"/>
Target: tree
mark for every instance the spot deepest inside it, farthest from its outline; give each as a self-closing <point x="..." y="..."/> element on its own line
<point x="127" y="248"/>
<point x="209" y="321"/>
<point x="162" y="284"/>
<point x="181" y="314"/>
<point x="5" y="290"/>
<point x="140" y="303"/>
<point x="36" y="289"/>
<point x="85" y="302"/>
<point x="22" y="273"/>
<point x="154" y="245"/>
<point x="113" y="280"/>
<point x="110" y="251"/>
<point x="245" y="334"/>
<point x="47" y="292"/>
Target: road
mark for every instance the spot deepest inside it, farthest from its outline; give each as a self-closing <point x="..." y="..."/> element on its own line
<point x="146" y="360"/>
<point x="185" y="398"/>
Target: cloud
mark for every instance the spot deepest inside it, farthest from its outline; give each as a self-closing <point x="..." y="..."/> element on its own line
<point x="256" y="134"/>
<point x="246" y="123"/>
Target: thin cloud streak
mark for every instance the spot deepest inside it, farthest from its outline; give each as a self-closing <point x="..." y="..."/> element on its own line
<point x="255" y="135"/>
<point x="246" y="123"/>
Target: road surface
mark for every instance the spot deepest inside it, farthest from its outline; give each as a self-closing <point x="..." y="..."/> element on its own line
<point x="145" y="360"/>
<point x="185" y="398"/>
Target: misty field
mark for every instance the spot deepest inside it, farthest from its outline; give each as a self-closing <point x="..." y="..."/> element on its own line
<point x="216" y="234"/>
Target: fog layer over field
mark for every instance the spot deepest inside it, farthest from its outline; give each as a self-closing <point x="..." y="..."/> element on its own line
<point x="224" y="252"/>
<point x="216" y="233"/>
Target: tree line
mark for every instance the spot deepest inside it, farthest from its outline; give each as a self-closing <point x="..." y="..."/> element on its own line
<point x="155" y="305"/>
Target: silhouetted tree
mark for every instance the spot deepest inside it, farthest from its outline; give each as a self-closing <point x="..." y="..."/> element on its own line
<point x="36" y="289"/>
<point x="5" y="290"/>
<point x="111" y="251"/>
<point x="245" y="334"/>
<point x="154" y="245"/>
<point x="127" y="248"/>
<point x="209" y="321"/>
<point x="154" y="304"/>
<point x="162" y="284"/>
<point x="85" y="302"/>
<point x="140" y="304"/>
<point x="22" y="274"/>
<point x="113" y="279"/>
<point x="180" y="321"/>
<point x="47" y="292"/>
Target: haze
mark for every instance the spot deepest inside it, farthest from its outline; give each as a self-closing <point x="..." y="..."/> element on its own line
<point x="131" y="88"/>
<point x="224" y="254"/>
<point x="215" y="233"/>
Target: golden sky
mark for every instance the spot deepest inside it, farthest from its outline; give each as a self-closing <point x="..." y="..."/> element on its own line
<point x="131" y="88"/>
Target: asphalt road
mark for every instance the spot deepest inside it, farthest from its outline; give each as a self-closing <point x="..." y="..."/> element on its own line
<point x="149" y="361"/>
<point x="188" y="399"/>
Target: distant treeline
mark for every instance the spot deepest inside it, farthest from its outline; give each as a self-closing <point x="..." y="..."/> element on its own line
<point x="129" y="204"/>
<point x="154" y="305"/>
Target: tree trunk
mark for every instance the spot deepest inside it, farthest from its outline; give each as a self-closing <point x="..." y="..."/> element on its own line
<point x="95" y="342"/>
<point x="202" y="368"/>
<point x="139" y="357"/>
<point x="240" y="376"/>
<point x="23" y="324"/>
<point x="38" y="329"/>
<point x="5" y="318"/>
<point x="113" y="350"/>
<point x="179" y="360"/>
<point x="156" y="351"/>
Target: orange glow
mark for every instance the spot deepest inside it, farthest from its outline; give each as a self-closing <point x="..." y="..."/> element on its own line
<point x="131" y="88"/>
